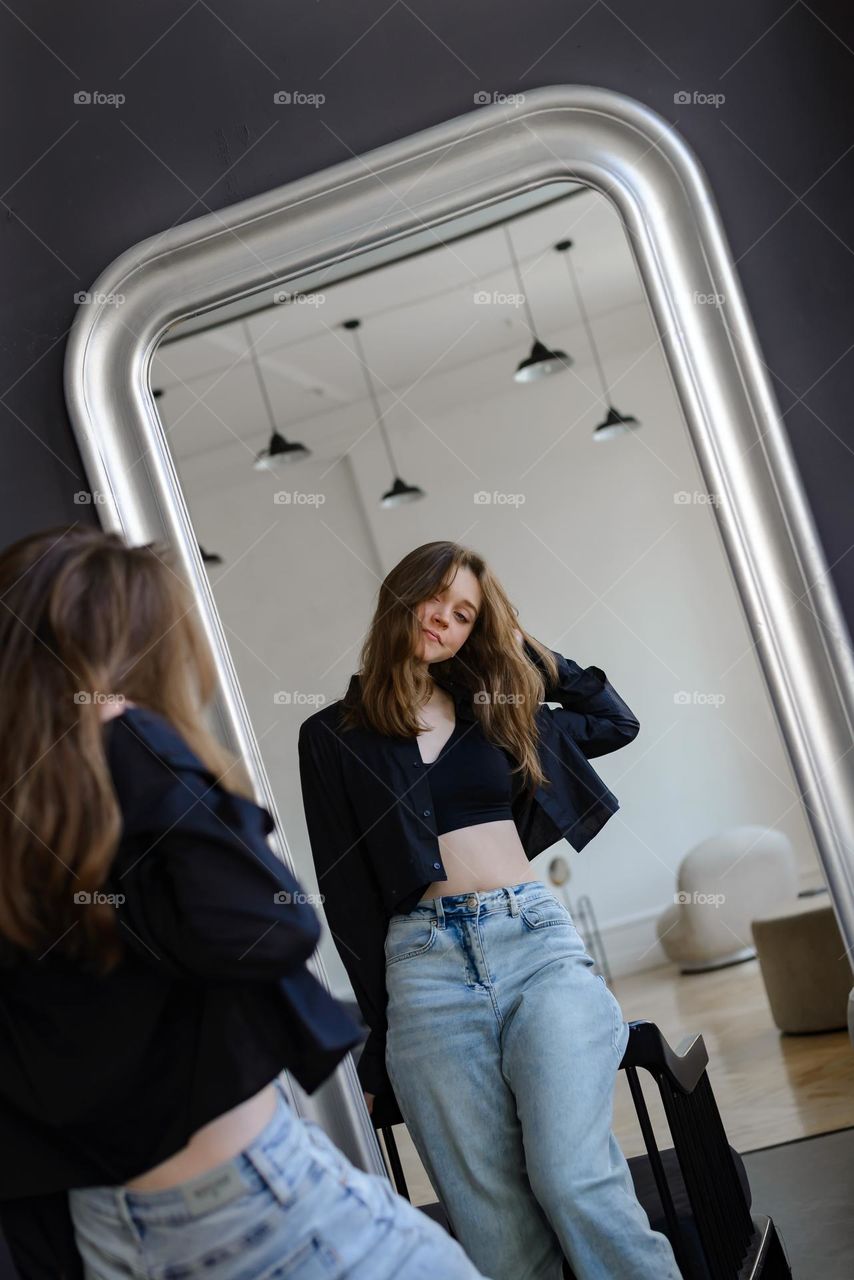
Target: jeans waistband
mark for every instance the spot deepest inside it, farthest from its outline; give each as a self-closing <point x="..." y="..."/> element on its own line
<point x="246" y="1172"/>
<point x="507" y="898"/>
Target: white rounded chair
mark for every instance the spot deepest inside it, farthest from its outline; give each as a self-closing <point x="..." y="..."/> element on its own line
<point x="723" y="883"/>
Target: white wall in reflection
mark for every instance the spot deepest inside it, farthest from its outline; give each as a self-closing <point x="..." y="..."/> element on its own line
<point x="608" y="548"/>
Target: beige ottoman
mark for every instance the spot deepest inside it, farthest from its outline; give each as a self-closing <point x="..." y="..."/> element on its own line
<point x="806" y="972"/>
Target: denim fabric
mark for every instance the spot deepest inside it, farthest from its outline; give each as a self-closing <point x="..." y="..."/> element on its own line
<point x="503" y="1047"/>
<point x="290" y="1206"/>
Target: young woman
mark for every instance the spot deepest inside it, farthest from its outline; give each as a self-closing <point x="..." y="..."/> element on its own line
<point x="427" y="791"/>
<point x="153" y="984"/>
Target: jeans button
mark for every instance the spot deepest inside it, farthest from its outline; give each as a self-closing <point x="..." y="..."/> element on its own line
<point x="472" y="902"/>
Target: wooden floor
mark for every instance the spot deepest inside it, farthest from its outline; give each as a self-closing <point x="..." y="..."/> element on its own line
<point x="770" y="1088"/>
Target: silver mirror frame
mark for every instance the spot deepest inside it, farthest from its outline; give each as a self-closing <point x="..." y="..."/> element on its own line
<point x="633" y="156"/>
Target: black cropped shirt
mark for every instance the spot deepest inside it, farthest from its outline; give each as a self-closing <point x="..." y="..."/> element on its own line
<point x="372" y="824"/>
<point x="102" y="1078"/>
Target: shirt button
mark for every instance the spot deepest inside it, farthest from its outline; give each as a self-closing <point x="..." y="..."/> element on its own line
<point x="437" y="866"/>
<point x="426" y="813"/>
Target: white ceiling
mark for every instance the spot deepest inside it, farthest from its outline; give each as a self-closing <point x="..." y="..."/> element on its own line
<point x="420" y="322"/>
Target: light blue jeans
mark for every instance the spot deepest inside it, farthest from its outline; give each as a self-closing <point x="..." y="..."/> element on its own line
<point x="503" y="1048"/>
<point x="290" y="1206"/>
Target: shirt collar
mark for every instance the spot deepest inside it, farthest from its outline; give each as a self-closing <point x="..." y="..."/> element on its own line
<point x="462" y="696"/>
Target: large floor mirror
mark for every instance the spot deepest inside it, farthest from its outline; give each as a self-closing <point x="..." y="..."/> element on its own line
<point x="520" y="331"/>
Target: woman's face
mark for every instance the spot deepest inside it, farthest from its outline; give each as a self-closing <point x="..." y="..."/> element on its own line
<point x="449" y="617"/>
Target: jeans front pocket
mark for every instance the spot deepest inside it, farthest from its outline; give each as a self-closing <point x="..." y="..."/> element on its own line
<point x="409" y="936"/>
<point x="546" y="913"/>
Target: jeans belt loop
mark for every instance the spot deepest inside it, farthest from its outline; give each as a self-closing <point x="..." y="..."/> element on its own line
<point x="122" y="1195"/>
<point x="440" y="913"/>
<point x="513" y="902"/>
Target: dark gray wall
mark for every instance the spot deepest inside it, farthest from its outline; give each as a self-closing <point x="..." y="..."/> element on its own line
<point x="199" y="131"/>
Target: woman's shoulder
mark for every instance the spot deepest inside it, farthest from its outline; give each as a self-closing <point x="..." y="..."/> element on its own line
<point x="143" y="733"/>
<point x="318" y="724"/>
<point x="161" y="782"/>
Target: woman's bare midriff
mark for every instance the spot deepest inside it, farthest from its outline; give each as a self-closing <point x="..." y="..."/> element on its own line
<point x="477" y="859"/>
<point x="213" y="1144"/>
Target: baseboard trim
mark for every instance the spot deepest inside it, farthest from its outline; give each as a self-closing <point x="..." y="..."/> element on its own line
<point x="631" y="943"/>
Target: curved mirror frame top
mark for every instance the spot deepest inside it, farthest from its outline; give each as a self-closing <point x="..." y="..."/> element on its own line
<point x="560" y="133"/>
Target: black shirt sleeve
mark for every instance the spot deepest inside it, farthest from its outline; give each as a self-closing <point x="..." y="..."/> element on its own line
<point x="205" y="895"/>
<point x="351" y="898"/>
<point x="595" y="714"/>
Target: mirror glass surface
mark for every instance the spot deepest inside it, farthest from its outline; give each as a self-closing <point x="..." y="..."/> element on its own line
<point x="605" y="541"/>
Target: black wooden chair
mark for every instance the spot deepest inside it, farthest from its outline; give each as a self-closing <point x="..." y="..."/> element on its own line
<point x="696" y="1193"/>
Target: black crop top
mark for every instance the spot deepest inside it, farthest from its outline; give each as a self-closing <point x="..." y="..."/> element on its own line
<point x="212" y="999"/>
<point x="470" y="780"/>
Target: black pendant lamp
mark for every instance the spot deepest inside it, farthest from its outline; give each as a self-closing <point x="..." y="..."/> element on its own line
<point x="543" y="360"/>
<point x="614" y="423"/>
<point x="400" y="492"/>
<point x="280" y="452"/>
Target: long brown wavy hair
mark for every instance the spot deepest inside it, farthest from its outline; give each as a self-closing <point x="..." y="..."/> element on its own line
<point x="505" y="685"/>
<point x="85" y="616"/>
